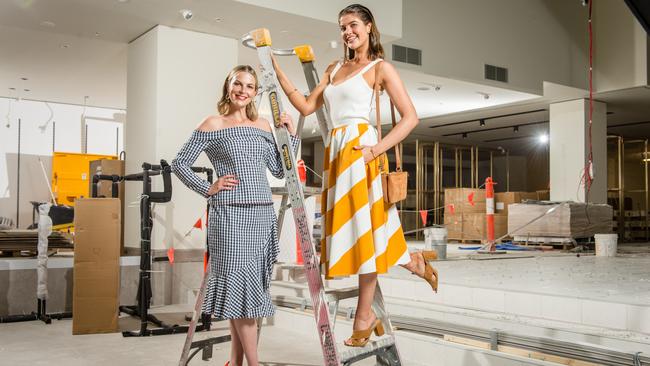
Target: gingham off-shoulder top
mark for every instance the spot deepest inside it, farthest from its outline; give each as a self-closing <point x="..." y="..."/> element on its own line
<point x="245" y="152"/>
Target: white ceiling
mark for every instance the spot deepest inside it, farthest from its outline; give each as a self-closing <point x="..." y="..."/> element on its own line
<point x="84" y="54"/>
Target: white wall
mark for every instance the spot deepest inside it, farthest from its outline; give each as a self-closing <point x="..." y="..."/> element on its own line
<point x="174" y="81"/>
<point x="620" y="47"/>
<point x="531" y="38"/>
<point x="387" y="13"/>
<point x="39" y="138"/>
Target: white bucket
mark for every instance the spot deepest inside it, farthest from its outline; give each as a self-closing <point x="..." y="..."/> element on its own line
<point x="435" y="238"/>
<point x="606" y="245"/>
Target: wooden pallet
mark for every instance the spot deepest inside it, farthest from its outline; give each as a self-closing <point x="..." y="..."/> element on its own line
<point x="544" y="242"/>
<point x="465" y="241"/>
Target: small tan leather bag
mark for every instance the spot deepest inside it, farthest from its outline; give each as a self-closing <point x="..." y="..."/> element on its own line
<point x="394" y="184"/>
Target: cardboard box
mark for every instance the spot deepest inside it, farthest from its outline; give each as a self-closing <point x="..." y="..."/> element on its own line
<point x="96" y="278"/>
<point x="503" y="199"/>
<point x="109" y="167"/>
<point x="472" y="226"/>
<point x="459" y="197"/>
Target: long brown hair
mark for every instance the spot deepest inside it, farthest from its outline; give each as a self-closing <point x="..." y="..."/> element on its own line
<point x="223" y="106"/>
<point x="375" y="50"/>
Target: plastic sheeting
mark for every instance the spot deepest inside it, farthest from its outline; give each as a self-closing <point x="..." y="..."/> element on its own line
<point x="44" y="230"/>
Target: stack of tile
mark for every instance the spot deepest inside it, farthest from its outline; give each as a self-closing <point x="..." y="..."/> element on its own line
<point x="569" y="220"/>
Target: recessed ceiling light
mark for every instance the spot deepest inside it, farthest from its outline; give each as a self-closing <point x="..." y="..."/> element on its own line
<point x="481" y="122"/>
<point x="218" y="20"/>
<point x="47" y="23"/>
<point x="464" y="135"/>
<point x="424" y="88"/>
<point x="284" y="31"/>
<point x="11" y="88"/>
<point x="23" y="79"/>
<point x="97" y="34"/>
<point x="26" y="90"/>
<point x="122" y="1"/>
<point x="64" y="45"/>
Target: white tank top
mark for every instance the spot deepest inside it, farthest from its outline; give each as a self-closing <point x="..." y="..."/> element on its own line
<point x="349" y="101"/>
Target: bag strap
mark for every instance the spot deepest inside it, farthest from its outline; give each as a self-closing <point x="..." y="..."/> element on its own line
<point x="398" y="157"/>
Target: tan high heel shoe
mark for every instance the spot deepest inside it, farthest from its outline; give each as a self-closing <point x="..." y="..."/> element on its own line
<point x="430" y="274"/>
<point x="360" y="338"/>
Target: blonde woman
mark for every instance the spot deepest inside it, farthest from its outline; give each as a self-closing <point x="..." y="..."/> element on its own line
<point x="242" y="227"/>
<point x="362" y="234"/>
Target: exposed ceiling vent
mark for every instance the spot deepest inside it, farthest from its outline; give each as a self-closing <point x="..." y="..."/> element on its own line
<point x="496" y="73"/>
<point x="408" y="55"/>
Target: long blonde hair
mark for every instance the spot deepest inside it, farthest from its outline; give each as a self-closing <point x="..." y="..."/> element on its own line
<point x="223" y="106"/>
<point x="375" y="50"/>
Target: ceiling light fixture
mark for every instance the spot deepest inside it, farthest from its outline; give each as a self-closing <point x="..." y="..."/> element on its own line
<point x="543" y="138"/>
<point x="481" y="122"/>
<point x="515" y="129"/>
<point x="218" y="20"/>
<point x="48" y="24"/>
<point x="186" y="14"/>
<point x="464" y="135"/>
<point x="424" y="88"/>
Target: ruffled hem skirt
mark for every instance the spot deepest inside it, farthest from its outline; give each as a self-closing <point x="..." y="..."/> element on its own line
<point x="243" y="246"/>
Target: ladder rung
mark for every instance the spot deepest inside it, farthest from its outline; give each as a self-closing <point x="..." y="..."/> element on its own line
<point x="342" y="293"/>
<point x="306" y="190"/>
<point x="370" y="349"/>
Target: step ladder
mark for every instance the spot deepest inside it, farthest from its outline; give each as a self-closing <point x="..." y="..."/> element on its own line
<point x="384" y="349"/>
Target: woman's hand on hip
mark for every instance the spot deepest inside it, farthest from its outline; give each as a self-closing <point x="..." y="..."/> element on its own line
<point x="224" y="183"/>
<point x="366" y="151"/>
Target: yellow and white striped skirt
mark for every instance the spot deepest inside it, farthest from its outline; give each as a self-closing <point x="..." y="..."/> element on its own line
<point x="360" y="232"/>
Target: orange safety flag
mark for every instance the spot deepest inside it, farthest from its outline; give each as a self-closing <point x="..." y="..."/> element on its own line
<point x="423" y="216"/>
<point x="198" y="224"/>
<point x="470" y="198"/>
<point x="452" y="208"/>
<point x="170" y="255"/>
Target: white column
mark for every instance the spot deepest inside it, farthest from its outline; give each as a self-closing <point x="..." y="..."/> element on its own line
<point x="175" y="78"/>
<point x="569" y="149"/>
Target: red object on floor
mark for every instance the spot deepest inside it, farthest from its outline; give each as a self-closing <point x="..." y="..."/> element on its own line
<point x="489" y="211"/>
<point x="299" y="259"/>
<point x="302" y="171"/>
<point x="205" y="262"/>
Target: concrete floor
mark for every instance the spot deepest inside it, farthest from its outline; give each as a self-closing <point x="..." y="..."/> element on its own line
<point x="34" y="343"/>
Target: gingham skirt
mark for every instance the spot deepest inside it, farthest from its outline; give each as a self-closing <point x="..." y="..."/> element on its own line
<point x="243" y="246"/>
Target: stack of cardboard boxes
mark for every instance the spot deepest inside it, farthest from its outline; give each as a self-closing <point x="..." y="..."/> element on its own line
<point x="465" y="217"/>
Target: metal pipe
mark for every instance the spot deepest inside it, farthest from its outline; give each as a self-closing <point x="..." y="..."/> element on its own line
<point x="646" y="161"/>
<point x="621" y="193"/>
<point x="18" y="178"/>
<point x="418" y="184"/>
<point x="508" y="171"/>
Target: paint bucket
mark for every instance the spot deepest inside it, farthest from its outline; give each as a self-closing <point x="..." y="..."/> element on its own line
<point x="435" y="238"/>
<point x="606" y="245"/>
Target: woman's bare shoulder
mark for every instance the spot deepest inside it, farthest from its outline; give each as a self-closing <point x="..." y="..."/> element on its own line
<point x="263" y="124"/>
<point x="210" y="123"/>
